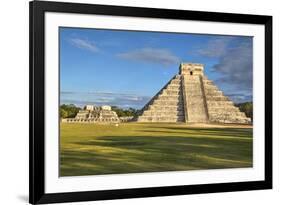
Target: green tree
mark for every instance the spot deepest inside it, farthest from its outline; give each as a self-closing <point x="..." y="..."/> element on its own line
<point x="69" y="111"/>
<point x="121" y="112"/>
<point x="63" y="113"/>
<point x="247" y="108"/>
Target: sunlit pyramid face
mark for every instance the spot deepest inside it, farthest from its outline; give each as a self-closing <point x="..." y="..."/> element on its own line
<point x="191" y="97"/>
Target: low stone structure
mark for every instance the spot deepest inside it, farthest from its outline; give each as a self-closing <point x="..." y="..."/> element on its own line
<point x="94" y="114"/>
<point x="126" y="119"/>
<point x="191" y="97"/>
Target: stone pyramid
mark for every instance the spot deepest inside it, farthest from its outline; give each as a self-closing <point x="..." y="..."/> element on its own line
<point x="190" y="97"/>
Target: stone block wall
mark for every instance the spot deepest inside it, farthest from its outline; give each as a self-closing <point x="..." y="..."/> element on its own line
<point x="167" y="106"/>
<point x="220" y="108"/>
<point x="190" y="97"/>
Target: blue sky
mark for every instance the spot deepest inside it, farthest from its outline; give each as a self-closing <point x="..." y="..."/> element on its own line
<point x="127" y="68"/>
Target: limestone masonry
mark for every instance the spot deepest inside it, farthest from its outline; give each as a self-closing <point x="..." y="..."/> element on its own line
<point x="95" y="114"/>
<point x="190" y="97"/>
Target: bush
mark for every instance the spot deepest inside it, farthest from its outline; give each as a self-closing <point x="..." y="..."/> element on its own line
<point x="247" y="108"/>
<point x="68" y="111"/>
<point x="125" y="112"/>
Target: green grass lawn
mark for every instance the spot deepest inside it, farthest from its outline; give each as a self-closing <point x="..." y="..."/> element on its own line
<point x="90" y="149"/>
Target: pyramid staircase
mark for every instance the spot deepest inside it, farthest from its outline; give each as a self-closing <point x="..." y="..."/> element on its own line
<point x="195" y="110"/>
<point x="192" y="98"/>
<point x="167" y="105"/>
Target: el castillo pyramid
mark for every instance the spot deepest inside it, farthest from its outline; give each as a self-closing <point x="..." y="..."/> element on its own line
<point x="190" y="97"/>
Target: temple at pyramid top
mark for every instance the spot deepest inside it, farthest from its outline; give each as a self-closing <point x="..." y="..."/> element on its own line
<point x="191" y="97"/>
<point x="191" y="69"/>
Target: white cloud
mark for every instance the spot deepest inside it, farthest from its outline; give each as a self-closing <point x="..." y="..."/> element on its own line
<point x="104" y="98"/>
<point x="84" y="44"/>
<point x="151" y="55"/>
<point x="236" y="66"/>
<point x="215" y="48"/>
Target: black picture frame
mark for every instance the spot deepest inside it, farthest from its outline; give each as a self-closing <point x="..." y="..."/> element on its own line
<point x="37" y="194"/>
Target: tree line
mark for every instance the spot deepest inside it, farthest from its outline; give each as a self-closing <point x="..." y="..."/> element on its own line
<point x="71" y="110"/>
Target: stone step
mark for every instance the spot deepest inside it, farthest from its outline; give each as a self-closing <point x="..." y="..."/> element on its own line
<point x="230" y="120"/>
<point x="210" y="89"/>
<point x="210" y="85"/>
<point x="219" y="103"/>
<point x="208" y="82"/>
<point x="223" y="109"/>
<point x="194" y="99"/>
<point x="171" y="89"/>
<point x="217" y="98"/>
<point x="170" y="108"/>
<point x="193" y="103"/>
<point x="168" y="103"/>
<point x="228" y="115"/>
<point x="192" y="88"/>
<point x="193" y="108"/>
<point x="194" y="93"/>
<point x="175" y="81"/>
<point x="236" y="114"/>
<point x="213" y="92"/>
<point x="162" y="113"/>
<point x="210" y="93"/>
<point x="191" y="84"/>
<point x="163" y="116"/>
<point x="171" y="92"/>
<point x="173" y="86"/>
<point x="160" y="119"/>
<point x="193" y="81"/>
<point x="194" y="96"/>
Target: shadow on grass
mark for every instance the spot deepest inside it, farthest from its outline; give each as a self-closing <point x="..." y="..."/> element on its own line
<point x="222" y="132"/>
<point x="147" y="153"/>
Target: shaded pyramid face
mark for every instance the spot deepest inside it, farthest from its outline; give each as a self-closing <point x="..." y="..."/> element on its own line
<point x="190" y="97"/>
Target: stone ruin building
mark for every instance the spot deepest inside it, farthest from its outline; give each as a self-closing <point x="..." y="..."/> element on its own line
<point x="192" y="98"/>
<point x="93" y="114"/>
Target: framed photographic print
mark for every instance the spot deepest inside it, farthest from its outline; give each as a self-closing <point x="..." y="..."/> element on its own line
<point x="140" y="102"/>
